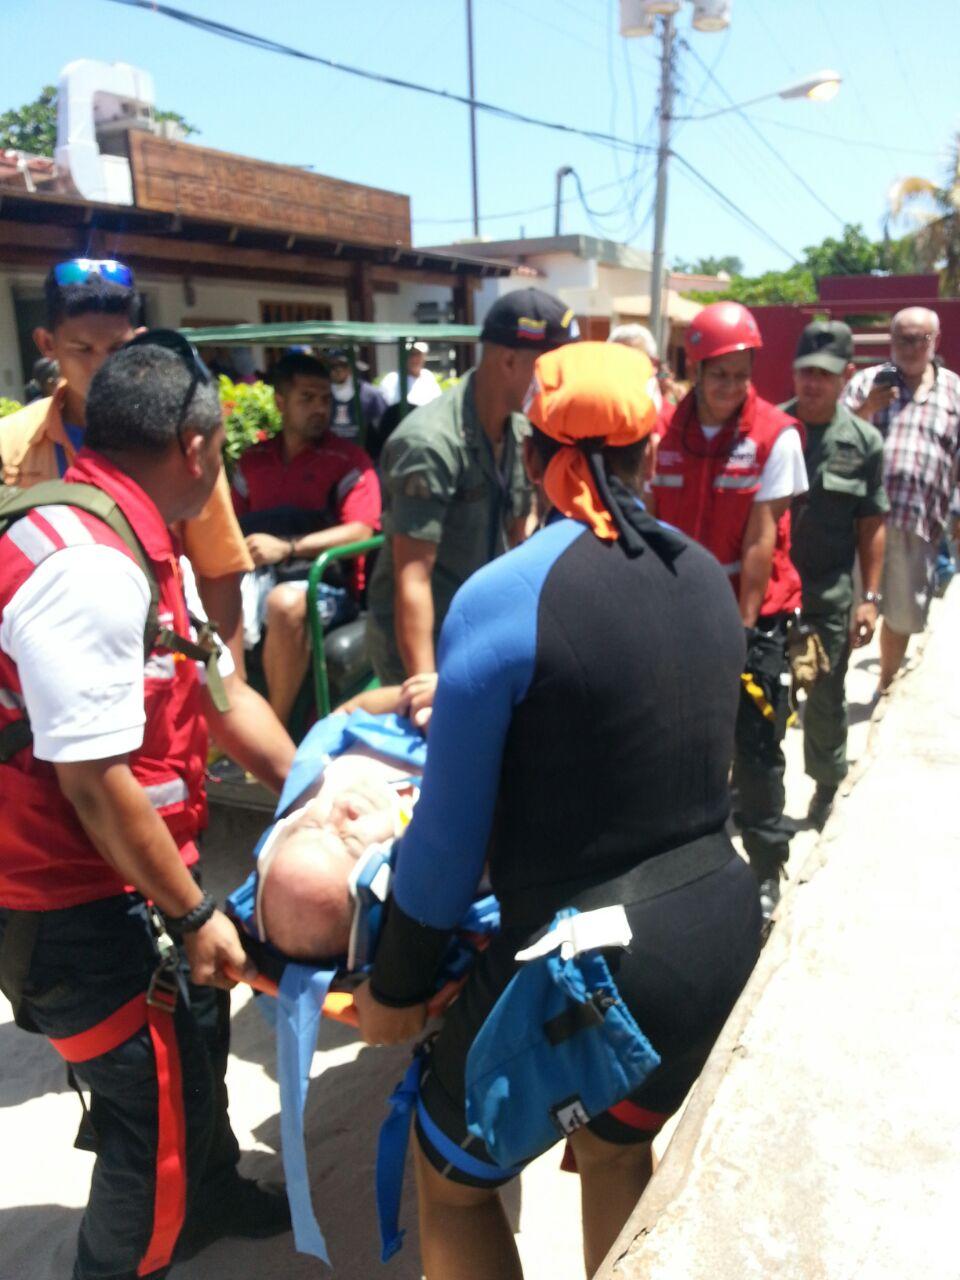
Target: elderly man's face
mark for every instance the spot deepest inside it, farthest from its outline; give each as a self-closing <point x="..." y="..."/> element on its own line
<point x="415" y="363"/>
<point x="912" y="344"/>
<point x="339" y="371"/>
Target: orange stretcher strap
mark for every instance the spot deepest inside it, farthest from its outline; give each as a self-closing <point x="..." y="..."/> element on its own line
<point x="339" y="1005"/>
<point x="170" y="1195"/>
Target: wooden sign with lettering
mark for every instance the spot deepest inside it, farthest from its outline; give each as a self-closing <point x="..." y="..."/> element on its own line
<point x="176" y="177"/>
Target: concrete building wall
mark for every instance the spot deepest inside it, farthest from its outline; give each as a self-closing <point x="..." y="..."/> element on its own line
<point x="168" y="303"/>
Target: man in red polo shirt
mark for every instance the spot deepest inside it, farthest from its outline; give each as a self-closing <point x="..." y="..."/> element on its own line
<point x="299" y="494"/>
<point x="728" y="466"/>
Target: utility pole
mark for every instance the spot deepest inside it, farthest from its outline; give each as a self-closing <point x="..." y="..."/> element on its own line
<point x="563" y="172"/>
<point x="473" y="122"/>
<point x="657" y="326"/>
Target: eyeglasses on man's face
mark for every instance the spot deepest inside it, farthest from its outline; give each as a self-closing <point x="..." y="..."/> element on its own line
<point x="912" y="340"/>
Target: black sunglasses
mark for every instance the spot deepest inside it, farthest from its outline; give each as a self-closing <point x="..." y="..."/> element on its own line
<point x="200" y="375"/>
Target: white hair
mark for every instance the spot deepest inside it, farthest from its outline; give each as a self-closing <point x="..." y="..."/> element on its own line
<point x="918" y="315"/>
<point x="635" y="335"/>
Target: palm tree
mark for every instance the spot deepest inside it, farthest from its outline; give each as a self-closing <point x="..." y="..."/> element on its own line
<point x="934" y="214"/>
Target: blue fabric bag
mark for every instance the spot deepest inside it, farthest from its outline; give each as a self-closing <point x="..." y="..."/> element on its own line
<point x="558" y="1048"/>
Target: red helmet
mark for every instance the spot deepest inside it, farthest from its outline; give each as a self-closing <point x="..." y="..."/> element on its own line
<point x="719" y="328"/>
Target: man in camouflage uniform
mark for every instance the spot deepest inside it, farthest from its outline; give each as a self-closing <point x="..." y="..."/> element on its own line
<point x="840" y="518"/>
<point x="455" y="490"/>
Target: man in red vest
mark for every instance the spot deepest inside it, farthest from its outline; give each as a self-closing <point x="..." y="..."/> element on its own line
<point x="103" y="740"/>
<point x="728" y="465"/>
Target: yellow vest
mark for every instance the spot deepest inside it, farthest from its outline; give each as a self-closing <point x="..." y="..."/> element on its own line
<point x="212" y="542"/>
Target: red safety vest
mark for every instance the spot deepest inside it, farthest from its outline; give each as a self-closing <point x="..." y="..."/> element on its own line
<point x="706" y="489"/>
<point x="47" y="861"/>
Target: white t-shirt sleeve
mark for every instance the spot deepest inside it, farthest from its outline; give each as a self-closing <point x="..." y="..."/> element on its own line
<point x="390" y="388"/>
<point x="785" y="472"/>
<point x="75" y="631"/>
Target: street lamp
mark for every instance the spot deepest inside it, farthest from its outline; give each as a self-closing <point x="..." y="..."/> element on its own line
<point x="638" y="17"/>
<point x="820" y="87"/>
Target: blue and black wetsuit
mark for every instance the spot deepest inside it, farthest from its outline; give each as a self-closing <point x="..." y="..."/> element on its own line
<point x="583" y="726"/>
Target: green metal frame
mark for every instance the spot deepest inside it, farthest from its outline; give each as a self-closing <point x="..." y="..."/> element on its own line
<point x="321" y="684"/>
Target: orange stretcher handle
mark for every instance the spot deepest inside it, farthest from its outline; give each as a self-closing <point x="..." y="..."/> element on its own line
<point x="339" y="1005"/>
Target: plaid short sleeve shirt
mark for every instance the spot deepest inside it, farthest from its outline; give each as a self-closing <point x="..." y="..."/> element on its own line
<point x="921" y="448"/>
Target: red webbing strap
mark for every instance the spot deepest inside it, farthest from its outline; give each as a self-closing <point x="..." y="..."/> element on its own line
<point x="106" y="1035"/>
<point x="170" y="1195"/>
<point x="635" y="1117"/>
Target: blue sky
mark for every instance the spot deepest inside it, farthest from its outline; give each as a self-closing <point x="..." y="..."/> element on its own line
<point x="559" y="59"/>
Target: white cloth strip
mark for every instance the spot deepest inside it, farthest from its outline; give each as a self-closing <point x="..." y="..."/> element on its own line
<point x="589" y="931"/>
<point x="736" y="482"/>
<point x="68" y="524"/>
<point x="31" y="541"/>
<point x="732" y="568"/>
<point x="10" y="700"/>
<point x="667" y="482"/>
<point x="163" y="794"/>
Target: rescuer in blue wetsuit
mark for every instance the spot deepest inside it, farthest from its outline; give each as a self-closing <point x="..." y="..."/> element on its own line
<point x="580" y="745"/>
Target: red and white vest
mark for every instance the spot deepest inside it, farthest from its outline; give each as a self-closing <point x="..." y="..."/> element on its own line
<point x="706" y="489"/>
<point x="47" y="861"/>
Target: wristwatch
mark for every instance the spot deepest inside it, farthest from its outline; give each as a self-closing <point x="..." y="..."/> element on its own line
<point x="872" y="597"/>
<point x="193" y="920"/>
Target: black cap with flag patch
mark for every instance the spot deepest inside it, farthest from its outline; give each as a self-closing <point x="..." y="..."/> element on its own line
<point x="530" y="319"/>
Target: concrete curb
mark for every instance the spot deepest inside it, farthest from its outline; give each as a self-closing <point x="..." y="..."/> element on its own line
<point x="678" y="1160"/>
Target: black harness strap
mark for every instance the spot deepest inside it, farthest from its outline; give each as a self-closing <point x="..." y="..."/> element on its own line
<point x="649" y="879"/>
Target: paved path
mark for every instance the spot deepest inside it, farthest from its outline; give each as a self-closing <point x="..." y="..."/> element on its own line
<point x="823" y="1140"/>
<point x="43" y="1182"/>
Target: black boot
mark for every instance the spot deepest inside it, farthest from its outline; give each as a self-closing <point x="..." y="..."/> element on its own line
<point x="244" y="1208"/>
<point x="821" y="805"/>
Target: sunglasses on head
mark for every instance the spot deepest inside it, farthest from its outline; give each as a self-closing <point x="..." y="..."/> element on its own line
<point x="79" y="271"/>
<point x="189" y="356"/>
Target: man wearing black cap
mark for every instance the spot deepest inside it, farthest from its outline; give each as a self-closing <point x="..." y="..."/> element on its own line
<point x="357" y="405"/>
<point x="839" y="518"/>
<point x="455" y="491"/>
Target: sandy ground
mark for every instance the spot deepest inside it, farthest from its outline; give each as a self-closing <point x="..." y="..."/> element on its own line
<point x="44" y="1181"/>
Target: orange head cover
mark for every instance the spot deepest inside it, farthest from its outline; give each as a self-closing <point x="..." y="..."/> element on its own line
<point x="588" y="395"/>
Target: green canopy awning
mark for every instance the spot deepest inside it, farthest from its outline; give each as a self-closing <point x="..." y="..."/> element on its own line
<point x="355" y="332"/>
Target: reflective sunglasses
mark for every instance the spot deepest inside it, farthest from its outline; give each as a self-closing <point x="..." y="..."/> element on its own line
<point x="189" y="356"/>
<point x="79" y="271"/>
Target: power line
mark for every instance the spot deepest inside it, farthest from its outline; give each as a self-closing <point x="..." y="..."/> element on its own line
<point x="769" y="146"/>
<point x="847" y="142"/>
<point x="263" y="43"/>
<point x="733" y="207"/>
<point x="516" y="213"/>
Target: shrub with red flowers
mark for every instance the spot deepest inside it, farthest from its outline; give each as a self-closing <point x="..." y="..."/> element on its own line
<point x="250" y="414"/>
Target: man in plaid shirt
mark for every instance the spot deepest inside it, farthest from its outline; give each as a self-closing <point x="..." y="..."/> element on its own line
<point x="919" y="419"/>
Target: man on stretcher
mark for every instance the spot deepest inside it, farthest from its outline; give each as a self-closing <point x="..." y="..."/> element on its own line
<point x="304" y="904"/>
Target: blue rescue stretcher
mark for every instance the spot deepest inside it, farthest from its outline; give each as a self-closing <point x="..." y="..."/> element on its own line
<point x="294" y="996"/>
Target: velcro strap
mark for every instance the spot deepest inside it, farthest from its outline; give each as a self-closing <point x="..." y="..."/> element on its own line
<point x="15" y="736"/>
<point x="206" y="651"/>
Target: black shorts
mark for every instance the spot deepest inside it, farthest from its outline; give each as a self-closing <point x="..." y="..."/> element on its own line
<point x="693" y="949"/>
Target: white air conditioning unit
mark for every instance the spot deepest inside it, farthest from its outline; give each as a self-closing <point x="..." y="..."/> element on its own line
<point x="634" y="19"/>
<point x="711" y="15"/>
<point x="99" y="103"/>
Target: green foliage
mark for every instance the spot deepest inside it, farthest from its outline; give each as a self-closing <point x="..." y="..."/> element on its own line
<point x="250" y="415"/>
<point x="853" y="254"/>
<point x="8" y="406"/>
<point x="730" y="263"/>
<point x="33" y="127"/>
<point x="795" y="285"/>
